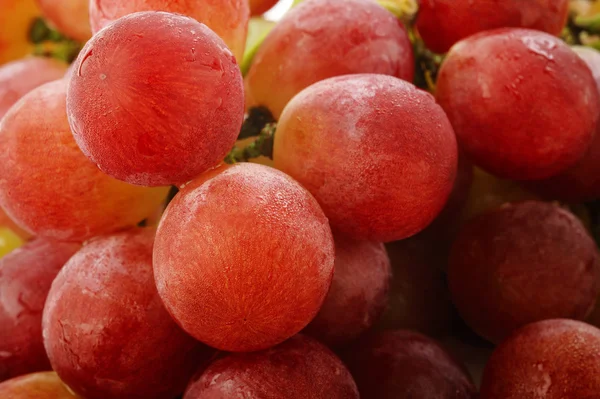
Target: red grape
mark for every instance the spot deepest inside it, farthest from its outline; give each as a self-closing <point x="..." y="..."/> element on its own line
<point x="143" y="114"/>
<point x="419" y="296"/>
<point x="551" y="359"/>
<point x="258" y="7"/>
<point x="320" y="39"/>
<point x="377" y="153"/>
<point x="243" y="258"/>
<point x="299" y="368"/>
<point x="45" y="385"/>
<point x="228" y="19"/>
<point x="523" y="105"/>
<point x="18" y="78"/>
<point x="522" y="263"/>
<point x="358" y="294"/>
<point x="106" y="330"/>
<point x="70" y="17"/>
<point x="582" y="181"/>
<point x="16" y="17"/>
<point x="49" y="187"/>
<point x="442" y="23"/>
<point x="25" y="278"/>
<point x="405" y="364"/>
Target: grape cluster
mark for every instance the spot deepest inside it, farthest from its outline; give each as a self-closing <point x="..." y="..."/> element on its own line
<point x="374" y="199"/>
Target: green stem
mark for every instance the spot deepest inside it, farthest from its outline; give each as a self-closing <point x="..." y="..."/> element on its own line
<point x="262" y="146"/>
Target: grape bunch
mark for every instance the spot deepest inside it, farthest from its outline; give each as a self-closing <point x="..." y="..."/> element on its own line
<point x="330" y="199"/>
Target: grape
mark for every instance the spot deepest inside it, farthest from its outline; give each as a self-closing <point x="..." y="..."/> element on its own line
<point x="523" y="105"/>
<point x="419" y="296"/>
<point x="442" y="23"/>
<point x="228" y="19"/>
<point x="25" y="278"/>
<point x="45" y="385"/>
<point x="320" y="39"/>
<point x="258" y="7"/>
<point x="243" y="258"/>
<point x="377" y="153"/>
<point x="551" y="359"/>
<point x="405" y="364"/>
<point x="106" y="331"/>
<point x="17" y="78"/>
<point x="71" y="17"/>
<point x="522" y="263"/>
<point x="157" y="99"/>
<point x="358" y="294"/>
<point x="49" y="187"/>
<point x="582" y="181"/>
<point x="16" y="17"/>
<point x="299" y="368"/>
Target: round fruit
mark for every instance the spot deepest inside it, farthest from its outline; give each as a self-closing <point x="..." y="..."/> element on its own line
<point x="404" y="364"/>
<point x="106" y="331"/>
<point x="320" y="39"/>
<point x="377" y="153"/>
<point x="157" y="99"/>
<point x="228" y="19"/>
<point x="522" y="263"/>
<point x="49" y="187"/>
<point x="551" y="359"/>
<point x="243" y="257"/>
<point x="524" y="106"/>
<point x="18" y="78"/>
<point x="442" y="23"/>
<point x="25" y="278"/>
<point x="358" y="294"/>
<point x="581" y="182"/>
<point x="299" y="368"/>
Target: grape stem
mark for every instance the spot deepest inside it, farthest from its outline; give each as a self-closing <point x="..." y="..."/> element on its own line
<point x="262" y="146"/>
<point x="257" y="119"/>
<point x="51" y="43"/>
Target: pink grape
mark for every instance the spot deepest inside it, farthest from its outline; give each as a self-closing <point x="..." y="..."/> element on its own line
<point x="358" y="295"/>
<point x="25" y="278"/>
<point x="553" y="359"/>
<point x="157" y="99"/>
<point x="377" y="153"/>
<point x="49" y="187"/>
<point x="404" y="364"/>
<point x="582" y="181"/>
<point x="442" y="23"/>
<point x="106" y="331"/>
<point x="18" y="78"/>
<point x="320" y="39"/>
<point x="521" y="263"/>
<point x="243" y="258"/>
<point x="523" y="105"/>
<point x="299" y="368"/>
<point x="228" y="19"/>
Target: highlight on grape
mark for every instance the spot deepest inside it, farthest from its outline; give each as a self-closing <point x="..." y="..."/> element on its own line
<point x="299" y="199"/>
